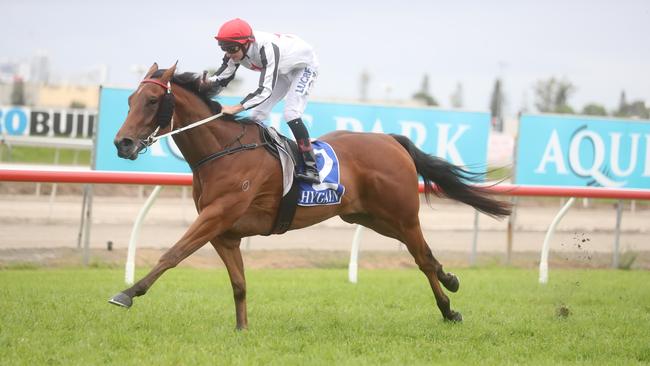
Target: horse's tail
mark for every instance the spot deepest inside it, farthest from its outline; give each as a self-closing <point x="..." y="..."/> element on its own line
<point x="450" y="179"/>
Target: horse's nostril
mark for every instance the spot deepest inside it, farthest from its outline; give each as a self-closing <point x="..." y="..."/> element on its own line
<point x="125" y="147"/>
<point x="124" y="143"/>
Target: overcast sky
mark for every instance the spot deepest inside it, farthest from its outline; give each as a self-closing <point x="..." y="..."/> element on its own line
<point x="602" y="47"/>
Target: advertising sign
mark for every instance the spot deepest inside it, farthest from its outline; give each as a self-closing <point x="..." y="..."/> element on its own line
<point x="583" y="151"/>
<point x="457" y="136"/>
<point x="40" y="121"/>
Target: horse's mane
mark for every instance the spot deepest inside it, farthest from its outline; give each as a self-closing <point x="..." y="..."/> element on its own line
<point x="189" y="81"/>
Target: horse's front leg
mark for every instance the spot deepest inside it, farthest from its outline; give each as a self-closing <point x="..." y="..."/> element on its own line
<point x="213" y="220"/>
<point x="229" y="252"/>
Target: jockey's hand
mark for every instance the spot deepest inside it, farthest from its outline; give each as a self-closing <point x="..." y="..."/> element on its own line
<point x="204" y="85"/>
<point x="232" y="109"/>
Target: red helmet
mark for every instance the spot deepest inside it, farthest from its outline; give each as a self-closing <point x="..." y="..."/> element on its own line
<point x="237" y="31"/>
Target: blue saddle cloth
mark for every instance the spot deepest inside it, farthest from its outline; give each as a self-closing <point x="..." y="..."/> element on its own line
<point x="330" y="190"/>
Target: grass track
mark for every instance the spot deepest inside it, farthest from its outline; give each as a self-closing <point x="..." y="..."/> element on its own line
<point x="44" y="155"/>
<point x="313" y="316"/>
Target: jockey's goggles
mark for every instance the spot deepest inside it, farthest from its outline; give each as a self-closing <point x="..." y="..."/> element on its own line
<point x="230" y="48"/>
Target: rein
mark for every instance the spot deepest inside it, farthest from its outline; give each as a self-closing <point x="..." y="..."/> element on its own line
<point x="151" y="139"/>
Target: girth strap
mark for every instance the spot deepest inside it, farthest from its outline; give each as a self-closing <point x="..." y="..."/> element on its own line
<point x="222" y="153"/>
<point x="288" y="204"/>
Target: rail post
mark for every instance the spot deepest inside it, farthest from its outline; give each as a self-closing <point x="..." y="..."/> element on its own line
<point x="543" y="262"/>
<point x="129" y="272"/>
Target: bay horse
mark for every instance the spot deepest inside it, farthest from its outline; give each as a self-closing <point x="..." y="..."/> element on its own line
<point x="238" y="194"/>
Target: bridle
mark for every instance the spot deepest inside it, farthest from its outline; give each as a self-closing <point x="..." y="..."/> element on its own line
<point x="167" y="104"/>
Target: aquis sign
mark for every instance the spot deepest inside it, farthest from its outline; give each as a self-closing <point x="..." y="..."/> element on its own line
<point x="583" y="151"/>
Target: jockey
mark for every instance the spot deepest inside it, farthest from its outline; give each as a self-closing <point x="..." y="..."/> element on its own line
<point x="288" y="68"/>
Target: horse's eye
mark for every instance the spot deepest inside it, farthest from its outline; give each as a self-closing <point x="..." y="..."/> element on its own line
<point x="153" y="100"/>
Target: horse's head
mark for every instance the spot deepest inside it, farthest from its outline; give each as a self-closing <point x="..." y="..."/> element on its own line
<point x="150" y="109"/>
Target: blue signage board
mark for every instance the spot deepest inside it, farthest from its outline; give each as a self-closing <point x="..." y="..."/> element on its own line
<point x="47" y="122"/>
<point x="555" y="150"/>
<point x="457" y="136"/>
<point x="161" y="157"/>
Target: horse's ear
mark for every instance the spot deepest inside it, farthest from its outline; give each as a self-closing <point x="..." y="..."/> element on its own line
<point x="152" y="69"/>
<point x="167" y="75"/>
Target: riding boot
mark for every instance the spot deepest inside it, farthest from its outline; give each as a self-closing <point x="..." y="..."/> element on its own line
<point x="310" y="172"/>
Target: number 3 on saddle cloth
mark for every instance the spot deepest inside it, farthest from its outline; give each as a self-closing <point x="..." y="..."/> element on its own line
<point x="296" y="192"/>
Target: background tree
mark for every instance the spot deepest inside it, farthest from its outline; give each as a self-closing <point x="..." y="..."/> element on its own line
<point x="423" y="96"/>
<point x="552" y="95"/>
<point x="636" y="109"/>
<point x="364" y="81"/>
<point x="496" y="106"/>
<point x="563" y="92"/>
<point x="456" y="98"/>
<point x="594" y="109"/>
<point x="524" y="106"/>
<point x="18" y="92"/>
<point x="75" y="104"/>
<point x="544" y="90"/>
<point x="622" y="106"/>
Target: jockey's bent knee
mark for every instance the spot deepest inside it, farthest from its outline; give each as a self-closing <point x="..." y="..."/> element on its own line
<point x="290" y="115"/>
<point x="259" y="116"/>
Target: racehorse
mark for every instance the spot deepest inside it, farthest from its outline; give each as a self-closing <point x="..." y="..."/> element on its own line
<point x="237" y="194"/>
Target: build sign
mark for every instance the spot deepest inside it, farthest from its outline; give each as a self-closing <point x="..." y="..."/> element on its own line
<point x="39" y="121"/>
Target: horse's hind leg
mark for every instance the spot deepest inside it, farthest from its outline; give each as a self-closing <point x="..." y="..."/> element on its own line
<point x="229" y="252"/>
<point x="431" y="268"/>
<point x="411" y="236"/>
<point x="448" y="279"/>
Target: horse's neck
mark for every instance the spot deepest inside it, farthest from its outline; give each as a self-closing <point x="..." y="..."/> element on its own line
<point x="201" y="141"/>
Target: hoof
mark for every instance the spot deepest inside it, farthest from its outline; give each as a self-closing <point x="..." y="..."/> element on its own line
<point x="122" y="300"/>
<point x="453" y="284"/>
<point x="454" y="317"/>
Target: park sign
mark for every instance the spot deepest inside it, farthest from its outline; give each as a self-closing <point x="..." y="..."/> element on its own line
<point x="561" y="150"/>
<point x="459" y="137"/>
